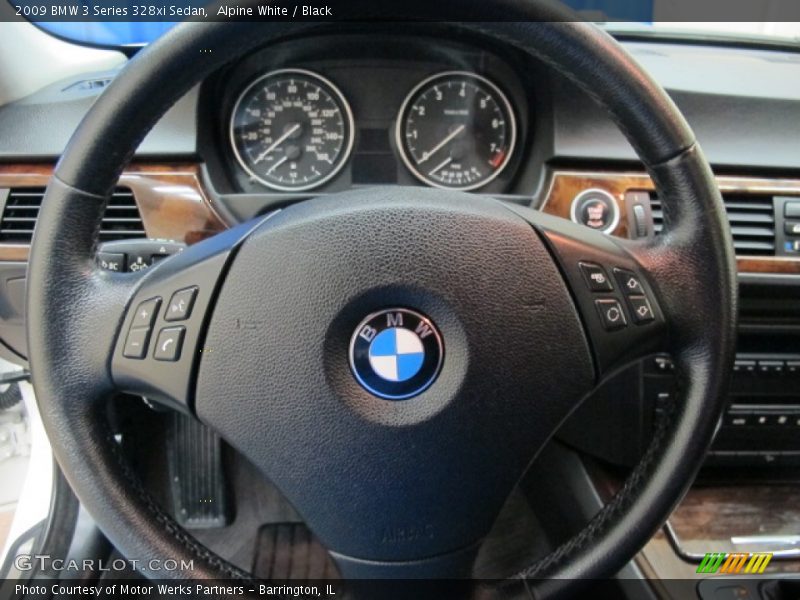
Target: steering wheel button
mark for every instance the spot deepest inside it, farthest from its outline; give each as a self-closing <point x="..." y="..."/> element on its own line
<point x="596" y="277"/>
<point x="112" y="261"/>
<point x="629" y="282"/>
<point x="145" y="313"/>
<point x="611" y="313"/>
<point x="136" y="343"/>
<point x="641" y="310"/>
<point x="168" y="345"/>
<point x="180" y="306"/>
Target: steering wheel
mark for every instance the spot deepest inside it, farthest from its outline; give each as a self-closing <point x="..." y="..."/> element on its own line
<point x="276" y="353"/>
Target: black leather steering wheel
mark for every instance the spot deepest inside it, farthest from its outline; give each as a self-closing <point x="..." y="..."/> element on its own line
<point x="394" y="488"/>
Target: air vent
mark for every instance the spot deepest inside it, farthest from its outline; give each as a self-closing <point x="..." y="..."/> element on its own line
<point x="121" y="220"/>
<point x="752" y="219"/>
<point x="19" y="216"/>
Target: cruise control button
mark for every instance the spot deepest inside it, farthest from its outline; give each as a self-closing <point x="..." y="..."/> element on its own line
<point x="145" y="313"/>
<point x="610" y="313"/>
<point x="640" y="309"/>
<point x="180" y="306"/>
<point x="168" y="345"/>
<point x="595" y="277"/>
<point x="628" y="281"/>
<point x="136" y="343"/>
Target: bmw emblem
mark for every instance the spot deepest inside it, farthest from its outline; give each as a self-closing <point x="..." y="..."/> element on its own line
<point x="396" y="353"/>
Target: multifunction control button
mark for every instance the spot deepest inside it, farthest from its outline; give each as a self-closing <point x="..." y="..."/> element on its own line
<point x="595" y="277"/>
<point x="145" y="313"/>
<point x="641" y="311"/>
<point x="136" y="343"/>
<point x="169" y="343"/>
<point x="140" y="328"/>
<point x="180" y="306"/>
<point x="628" y="282"/>
<point x="611" y="313"/>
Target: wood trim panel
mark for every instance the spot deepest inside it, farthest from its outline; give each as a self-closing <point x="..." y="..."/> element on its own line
<point x="709" y="516"/>
<point x="174" y="205"/>
<point x="565" y="185"/>
<point x="170" y="197"/>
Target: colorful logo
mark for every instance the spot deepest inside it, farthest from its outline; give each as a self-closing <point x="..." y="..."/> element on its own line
<point x="396" y="353"/>
<point x="735" y="563"/>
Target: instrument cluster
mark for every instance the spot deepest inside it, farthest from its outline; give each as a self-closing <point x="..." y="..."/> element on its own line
<point x="455" y="121"/>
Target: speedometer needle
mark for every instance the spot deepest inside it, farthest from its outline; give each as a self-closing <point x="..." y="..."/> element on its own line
<point x="442" y="144"/>
<point x="277" y="143"/>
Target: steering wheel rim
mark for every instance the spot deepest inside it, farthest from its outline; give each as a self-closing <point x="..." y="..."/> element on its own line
<point x="70" y="300"/>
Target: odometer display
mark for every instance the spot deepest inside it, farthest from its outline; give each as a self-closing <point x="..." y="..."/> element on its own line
<point x="456" y="130"/>
<point x="292" y="130"/>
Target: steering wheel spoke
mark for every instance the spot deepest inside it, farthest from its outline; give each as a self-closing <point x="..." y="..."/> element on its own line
<point x="160" y="341"/>
<point x="611" y="287"/>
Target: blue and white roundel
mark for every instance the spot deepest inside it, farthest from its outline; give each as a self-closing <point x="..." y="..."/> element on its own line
<point x="396" y="353"/>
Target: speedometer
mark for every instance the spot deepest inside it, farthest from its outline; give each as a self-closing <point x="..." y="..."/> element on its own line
<point x="456" y="130"/>
<point x="292" y="130"/>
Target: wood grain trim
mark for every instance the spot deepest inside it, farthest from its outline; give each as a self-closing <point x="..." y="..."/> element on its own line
<point x="565" y="185"/>
<point x="709" y="516"/>
<point x="170" y="197"/>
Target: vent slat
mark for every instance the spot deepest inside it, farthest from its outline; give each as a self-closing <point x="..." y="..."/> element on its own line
<point x="134" y="232"/>
<point x="752" y="220"/>
<point x="121" y="221"/>
<point x="754" y="245"/>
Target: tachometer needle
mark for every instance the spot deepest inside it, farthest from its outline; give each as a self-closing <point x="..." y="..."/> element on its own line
<point x="277" y="143"/>
<point x="441" y="165"/>
<point x="277" y="164"/>
<point x="442" y="144"/>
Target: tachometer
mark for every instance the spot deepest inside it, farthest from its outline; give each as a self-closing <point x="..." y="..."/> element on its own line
<point x="292" y="130"/>
<point x="456" y="130"/>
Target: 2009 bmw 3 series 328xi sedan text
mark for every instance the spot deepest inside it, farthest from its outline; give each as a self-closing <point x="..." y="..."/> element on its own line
<point x="388" y="300"/>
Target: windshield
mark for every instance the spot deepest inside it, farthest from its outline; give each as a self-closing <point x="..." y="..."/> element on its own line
<point x="780" y="32"/>
<point x="639" y="17"/>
